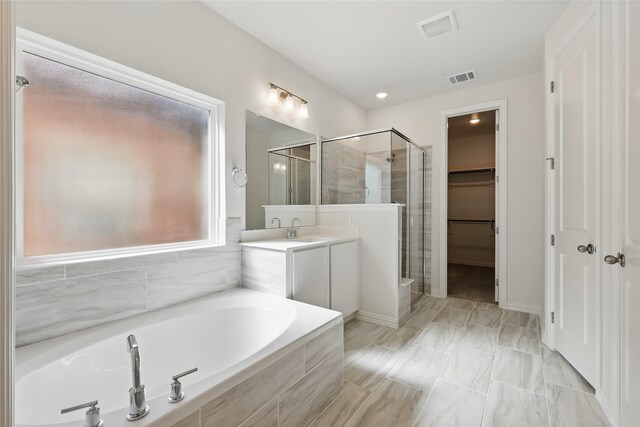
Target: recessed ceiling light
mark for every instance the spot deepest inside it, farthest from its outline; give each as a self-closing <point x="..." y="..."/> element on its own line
<point x="382" y="95"/>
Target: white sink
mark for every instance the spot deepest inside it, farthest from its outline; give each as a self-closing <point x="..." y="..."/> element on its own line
<point x="287" y="244"/>
<point x="307" y="239"/>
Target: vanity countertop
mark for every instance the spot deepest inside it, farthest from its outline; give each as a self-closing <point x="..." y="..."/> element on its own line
<point x="303" y="241"/>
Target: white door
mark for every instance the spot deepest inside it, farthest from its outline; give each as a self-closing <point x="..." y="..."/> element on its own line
<point x="311" y="276"/>
<point x="497" y="210"/>
<point x="575" y="119"/>
<point x="628" y="223"/>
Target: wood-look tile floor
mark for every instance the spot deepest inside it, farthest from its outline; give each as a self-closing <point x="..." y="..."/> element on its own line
<point x="471" y="282"/>
<point x="458" y="362"/>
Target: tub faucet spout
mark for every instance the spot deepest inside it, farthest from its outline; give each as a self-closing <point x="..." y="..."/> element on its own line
<point x="138" y="407"/>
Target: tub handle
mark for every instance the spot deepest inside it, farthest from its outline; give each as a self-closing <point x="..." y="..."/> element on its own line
<point x="91" y="417"/>
<point x="176" y="386"/>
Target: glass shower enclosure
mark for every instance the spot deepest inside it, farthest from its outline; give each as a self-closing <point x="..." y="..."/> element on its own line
<point x="384" y="166"/>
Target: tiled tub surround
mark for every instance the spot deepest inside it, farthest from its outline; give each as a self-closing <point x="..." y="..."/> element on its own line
<point x="53" y="301"/>
<point x="263" y="360"/>
<point x="458" y="363"/>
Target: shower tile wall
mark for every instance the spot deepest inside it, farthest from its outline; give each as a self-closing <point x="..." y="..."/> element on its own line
<point x="343" y="182"/>
<point x="428" y="205"/>
<point x="54" y="301"/>
<point x="343" y="174"/>
<point x="415" y="208"/>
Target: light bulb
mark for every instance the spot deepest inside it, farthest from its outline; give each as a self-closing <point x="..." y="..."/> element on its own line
<point x="303" y="112"/>
<point x="273" y="95"/>
<point x="288" y="104"/>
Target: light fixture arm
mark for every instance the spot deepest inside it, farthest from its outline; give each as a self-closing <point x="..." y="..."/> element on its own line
<point x="286" y="92"/>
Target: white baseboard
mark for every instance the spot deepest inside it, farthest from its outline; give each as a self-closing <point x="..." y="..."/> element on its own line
<point x="377" y="319"/>
<point x="525" y="308"/>
<point x="348" y="317"/>
<point x="437" y="293"/>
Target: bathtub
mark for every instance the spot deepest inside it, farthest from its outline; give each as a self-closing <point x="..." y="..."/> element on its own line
<point x="228" y="337"/>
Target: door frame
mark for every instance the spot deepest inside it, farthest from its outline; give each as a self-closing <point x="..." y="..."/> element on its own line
<point x="501" y="190"/>
<point x="7" y="95"/>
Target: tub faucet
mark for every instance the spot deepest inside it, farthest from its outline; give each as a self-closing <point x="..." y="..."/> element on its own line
<point x="292" y="232"/>
<point x="138" y="407"/>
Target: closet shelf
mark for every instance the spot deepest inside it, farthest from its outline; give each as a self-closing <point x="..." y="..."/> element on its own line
<point x="472" y="184"/>
<point x="471" y="170"/>
<point x="491" y="222"/>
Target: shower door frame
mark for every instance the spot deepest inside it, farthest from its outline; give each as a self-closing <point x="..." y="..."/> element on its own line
<point x="410" y="142"/>
<point x="7" y="132"/>
<point x="441" y="160"/>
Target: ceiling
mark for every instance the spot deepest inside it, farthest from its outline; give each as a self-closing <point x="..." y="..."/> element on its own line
<point x="460" y="127"/>
<point x="360" y="48"/>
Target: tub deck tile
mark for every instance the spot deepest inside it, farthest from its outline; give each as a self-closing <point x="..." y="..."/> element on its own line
<point x="265" y="417"/>
<point x="322" y="346"/>
<point x="236" y="405"/>
<point x="192" y="420"/>
<point x="301" y="403"/>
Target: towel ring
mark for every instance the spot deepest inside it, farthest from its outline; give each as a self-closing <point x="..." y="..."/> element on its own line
<point x="236" y="170"/>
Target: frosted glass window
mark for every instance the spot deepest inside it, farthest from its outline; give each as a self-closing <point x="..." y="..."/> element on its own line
<point x="107" y="165"/>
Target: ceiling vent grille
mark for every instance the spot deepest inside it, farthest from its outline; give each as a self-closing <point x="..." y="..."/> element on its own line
<point x="464" y="77"/>
<point x="438" y="25"/>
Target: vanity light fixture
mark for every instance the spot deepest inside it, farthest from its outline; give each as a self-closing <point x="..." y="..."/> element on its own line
<point x="288" y="104"/>
<point x="273" y="95"/>
<point x="303" y="112"/>
<point x="287" y="100"/>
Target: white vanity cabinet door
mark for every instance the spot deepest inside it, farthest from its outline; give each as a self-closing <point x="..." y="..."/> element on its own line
<point x="344" y="278"/>
<point x="311" y="276"/>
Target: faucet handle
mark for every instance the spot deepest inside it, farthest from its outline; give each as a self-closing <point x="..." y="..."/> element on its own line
<point x="91" y="417"/>
<point x="176" y="386"/>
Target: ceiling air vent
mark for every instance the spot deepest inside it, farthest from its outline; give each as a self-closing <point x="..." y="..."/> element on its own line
<point x="438" y="25"/>
<point x="464" y="77"/>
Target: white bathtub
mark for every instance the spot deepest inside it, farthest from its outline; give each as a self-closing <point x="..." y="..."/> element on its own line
<point x="227" y="336"/>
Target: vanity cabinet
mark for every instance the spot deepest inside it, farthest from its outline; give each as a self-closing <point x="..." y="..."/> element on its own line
<point x="320" y="271"/>
<point x="344" y="278"/>
<point x="311" y="276"/>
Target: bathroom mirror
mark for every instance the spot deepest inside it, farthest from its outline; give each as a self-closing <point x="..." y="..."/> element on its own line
<point x="282" y="174"/>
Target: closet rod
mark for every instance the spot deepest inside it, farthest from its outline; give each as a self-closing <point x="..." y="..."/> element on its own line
<point x="491" y="222"/>
<point x="472" y="170"/>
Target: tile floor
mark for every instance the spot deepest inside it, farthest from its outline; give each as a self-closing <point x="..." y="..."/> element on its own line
<point x="471" y="282"/>
<point x="457" y="362"/>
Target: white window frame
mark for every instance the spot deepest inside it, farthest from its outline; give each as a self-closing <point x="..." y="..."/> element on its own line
<point x="27" y="41"/>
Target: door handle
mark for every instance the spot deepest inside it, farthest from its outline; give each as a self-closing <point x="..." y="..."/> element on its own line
<point x="612" y="259"/>
<point x="590" y="249"/>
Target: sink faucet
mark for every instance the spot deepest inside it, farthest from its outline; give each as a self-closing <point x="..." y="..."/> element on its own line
<point x="292" y="232"/>
<point x="138" y="407"/>
<point x="276" y="219"/>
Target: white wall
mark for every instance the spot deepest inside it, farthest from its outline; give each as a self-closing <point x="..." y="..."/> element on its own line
<point x="187" y="43"/>
<point x="421" y="121"/>
<point x="380" y="229"/>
